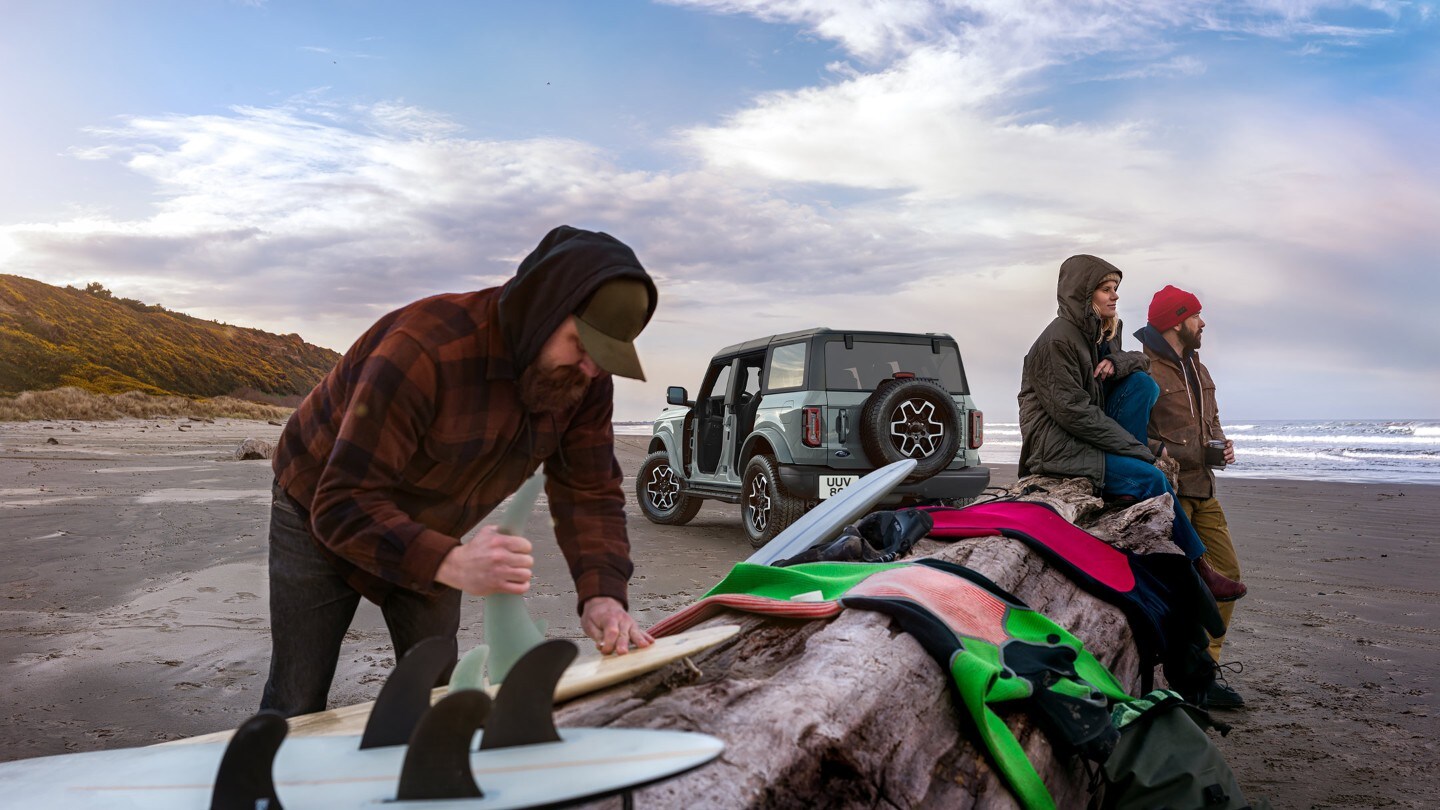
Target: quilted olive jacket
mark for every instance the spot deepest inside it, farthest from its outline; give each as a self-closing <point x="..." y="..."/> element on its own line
<point x="1063" y="426"/>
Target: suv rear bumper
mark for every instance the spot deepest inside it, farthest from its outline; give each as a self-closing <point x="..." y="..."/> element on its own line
<point x="966" y="482"/>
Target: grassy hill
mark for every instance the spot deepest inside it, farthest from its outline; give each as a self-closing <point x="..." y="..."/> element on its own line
<point x="53" y="337"/>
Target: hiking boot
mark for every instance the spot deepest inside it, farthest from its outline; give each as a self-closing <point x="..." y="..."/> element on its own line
<point x="1221" y="696"/>
<point x="1223" y="588"/>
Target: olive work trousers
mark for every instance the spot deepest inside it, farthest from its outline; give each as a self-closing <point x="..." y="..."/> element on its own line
<point x="1209" y="521"/>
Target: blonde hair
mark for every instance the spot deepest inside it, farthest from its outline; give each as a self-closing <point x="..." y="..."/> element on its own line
<point x="1108" y="326"/>
<point x="1111" y="325"/>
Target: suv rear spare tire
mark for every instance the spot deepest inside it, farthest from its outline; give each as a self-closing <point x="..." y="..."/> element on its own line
<point x="657" y="489"/>
<point x="765" y="507"/>
<point x="911" y="418"/>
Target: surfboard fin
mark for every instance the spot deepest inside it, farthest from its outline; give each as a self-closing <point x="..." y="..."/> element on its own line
<point x="245" y="780"/>
<point x="437" y="763"/>
<point x="405" y="697"/>
<point x="524" y="711"/>
<point x="470" y="672"/>
<point x="509" y="630"/>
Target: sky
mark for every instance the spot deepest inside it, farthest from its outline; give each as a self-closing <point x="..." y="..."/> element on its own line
<point x="918" y="166"/>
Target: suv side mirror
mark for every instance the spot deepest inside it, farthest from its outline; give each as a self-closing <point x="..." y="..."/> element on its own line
<point x="677" y="395"/>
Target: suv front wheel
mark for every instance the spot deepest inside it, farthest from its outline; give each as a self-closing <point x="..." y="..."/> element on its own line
<point x="765" y="506"/>
<point x="657" y="489"/>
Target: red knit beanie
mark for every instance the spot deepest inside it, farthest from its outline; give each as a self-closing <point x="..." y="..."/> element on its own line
<point x="1171" y="306"/>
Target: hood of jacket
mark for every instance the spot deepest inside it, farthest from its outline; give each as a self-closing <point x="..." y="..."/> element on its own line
<point x="1152" y="339"/>
<point x="1079" y="276"/>
<point x="555" y="280"/>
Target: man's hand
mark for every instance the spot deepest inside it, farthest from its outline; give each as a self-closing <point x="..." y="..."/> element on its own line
<point x="490" y="563"/>
<point x="1105" y="370"/>
<point x="605" y="621"/>
<point x="1229" y="452"/>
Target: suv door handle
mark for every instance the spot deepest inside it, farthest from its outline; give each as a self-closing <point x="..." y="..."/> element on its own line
<point x="842" y="425"/>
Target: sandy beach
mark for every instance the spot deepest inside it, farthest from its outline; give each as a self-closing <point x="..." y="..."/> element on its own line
<point x="135" y="605"/>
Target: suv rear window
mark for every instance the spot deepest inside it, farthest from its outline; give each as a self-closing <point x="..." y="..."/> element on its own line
<point x="787" y="367"/>
<point x="868" y="364"/>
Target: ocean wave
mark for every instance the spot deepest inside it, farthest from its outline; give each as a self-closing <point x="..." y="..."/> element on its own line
<point x="1399" y="450"/>
<point x="1330" y="439"/>
<point x="1361" y="475"/>
<point x="1312" y="455"/>
<point x="1421" y="457"/>
<point x="1341" y="454"/>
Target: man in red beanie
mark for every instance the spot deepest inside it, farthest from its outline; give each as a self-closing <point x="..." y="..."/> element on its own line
<point x="1183" y="421"/>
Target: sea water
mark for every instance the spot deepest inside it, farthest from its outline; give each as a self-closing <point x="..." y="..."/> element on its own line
<point x="1382" y="450"/>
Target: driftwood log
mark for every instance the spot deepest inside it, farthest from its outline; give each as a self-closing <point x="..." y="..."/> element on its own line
<point x="852" y="712"/>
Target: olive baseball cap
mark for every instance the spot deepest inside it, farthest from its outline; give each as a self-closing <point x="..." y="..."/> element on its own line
<point x="609" y="323"/>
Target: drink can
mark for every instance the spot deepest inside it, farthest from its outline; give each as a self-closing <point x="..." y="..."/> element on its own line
<point x="1215" y="454"/>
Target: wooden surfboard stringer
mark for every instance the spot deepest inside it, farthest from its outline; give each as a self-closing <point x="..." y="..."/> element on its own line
<point x="588" y="673"/>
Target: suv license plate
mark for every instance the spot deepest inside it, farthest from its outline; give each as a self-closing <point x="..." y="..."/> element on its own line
<point x="832" y="484"/>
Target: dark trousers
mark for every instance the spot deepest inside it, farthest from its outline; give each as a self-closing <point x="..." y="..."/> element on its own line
<point x="1129" y="402"/>
<point x="311" y="607"/>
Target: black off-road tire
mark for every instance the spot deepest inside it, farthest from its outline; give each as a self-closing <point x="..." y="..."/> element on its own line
<point x="765" y="507"/>
<point x="911" y="418"/>
<point x="657" y="490"/>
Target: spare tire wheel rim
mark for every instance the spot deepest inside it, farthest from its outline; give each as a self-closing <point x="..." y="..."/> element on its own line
<point x="915" y="430"/>
<point x="662" y="488"/>
<point x="758" y="499"/>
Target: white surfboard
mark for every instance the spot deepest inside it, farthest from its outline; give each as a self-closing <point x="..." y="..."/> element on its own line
<point x="332" y="772"/>
<point x="833" y="513"/>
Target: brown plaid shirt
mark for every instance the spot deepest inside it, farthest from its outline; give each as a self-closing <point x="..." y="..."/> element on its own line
<point x="418" y="433"/>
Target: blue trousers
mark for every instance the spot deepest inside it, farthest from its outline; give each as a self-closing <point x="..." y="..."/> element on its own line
<point x="1129" y="402"/>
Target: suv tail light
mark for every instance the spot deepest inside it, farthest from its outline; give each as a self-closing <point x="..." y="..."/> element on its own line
<point x="976" y="429"/>
<point x="810" y="427"/>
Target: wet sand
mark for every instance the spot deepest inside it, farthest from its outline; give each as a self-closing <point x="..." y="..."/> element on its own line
<point x="135" y="606"/>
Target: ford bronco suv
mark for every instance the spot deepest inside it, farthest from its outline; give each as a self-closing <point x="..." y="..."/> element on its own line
<point x="783" y="422"/>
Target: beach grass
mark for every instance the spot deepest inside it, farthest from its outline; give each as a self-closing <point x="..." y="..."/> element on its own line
<point x="74" y="403"/>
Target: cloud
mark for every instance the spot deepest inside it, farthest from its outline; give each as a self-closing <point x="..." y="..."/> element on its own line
<point x="286" y="207"/>
<point x="868" y="30"/>
<point x="1179" y="66"/>
<point x="934" y="182"/>
<point x="347" y="54"/>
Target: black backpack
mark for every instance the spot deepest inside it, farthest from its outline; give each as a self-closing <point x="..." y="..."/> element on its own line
<point x="1164" y="759"/>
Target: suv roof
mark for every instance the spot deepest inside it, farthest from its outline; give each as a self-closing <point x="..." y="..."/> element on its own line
<point x="789" y="337"/>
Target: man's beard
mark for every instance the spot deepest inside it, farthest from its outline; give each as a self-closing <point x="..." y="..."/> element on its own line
<point x="552" y="390"/>
<point x="1190" y="340"/>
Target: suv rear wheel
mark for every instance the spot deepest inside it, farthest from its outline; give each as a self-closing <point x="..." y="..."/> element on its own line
<point x="911" y="418"/>
<point x="766" y="508"/>
<point x="657" y="489"/>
